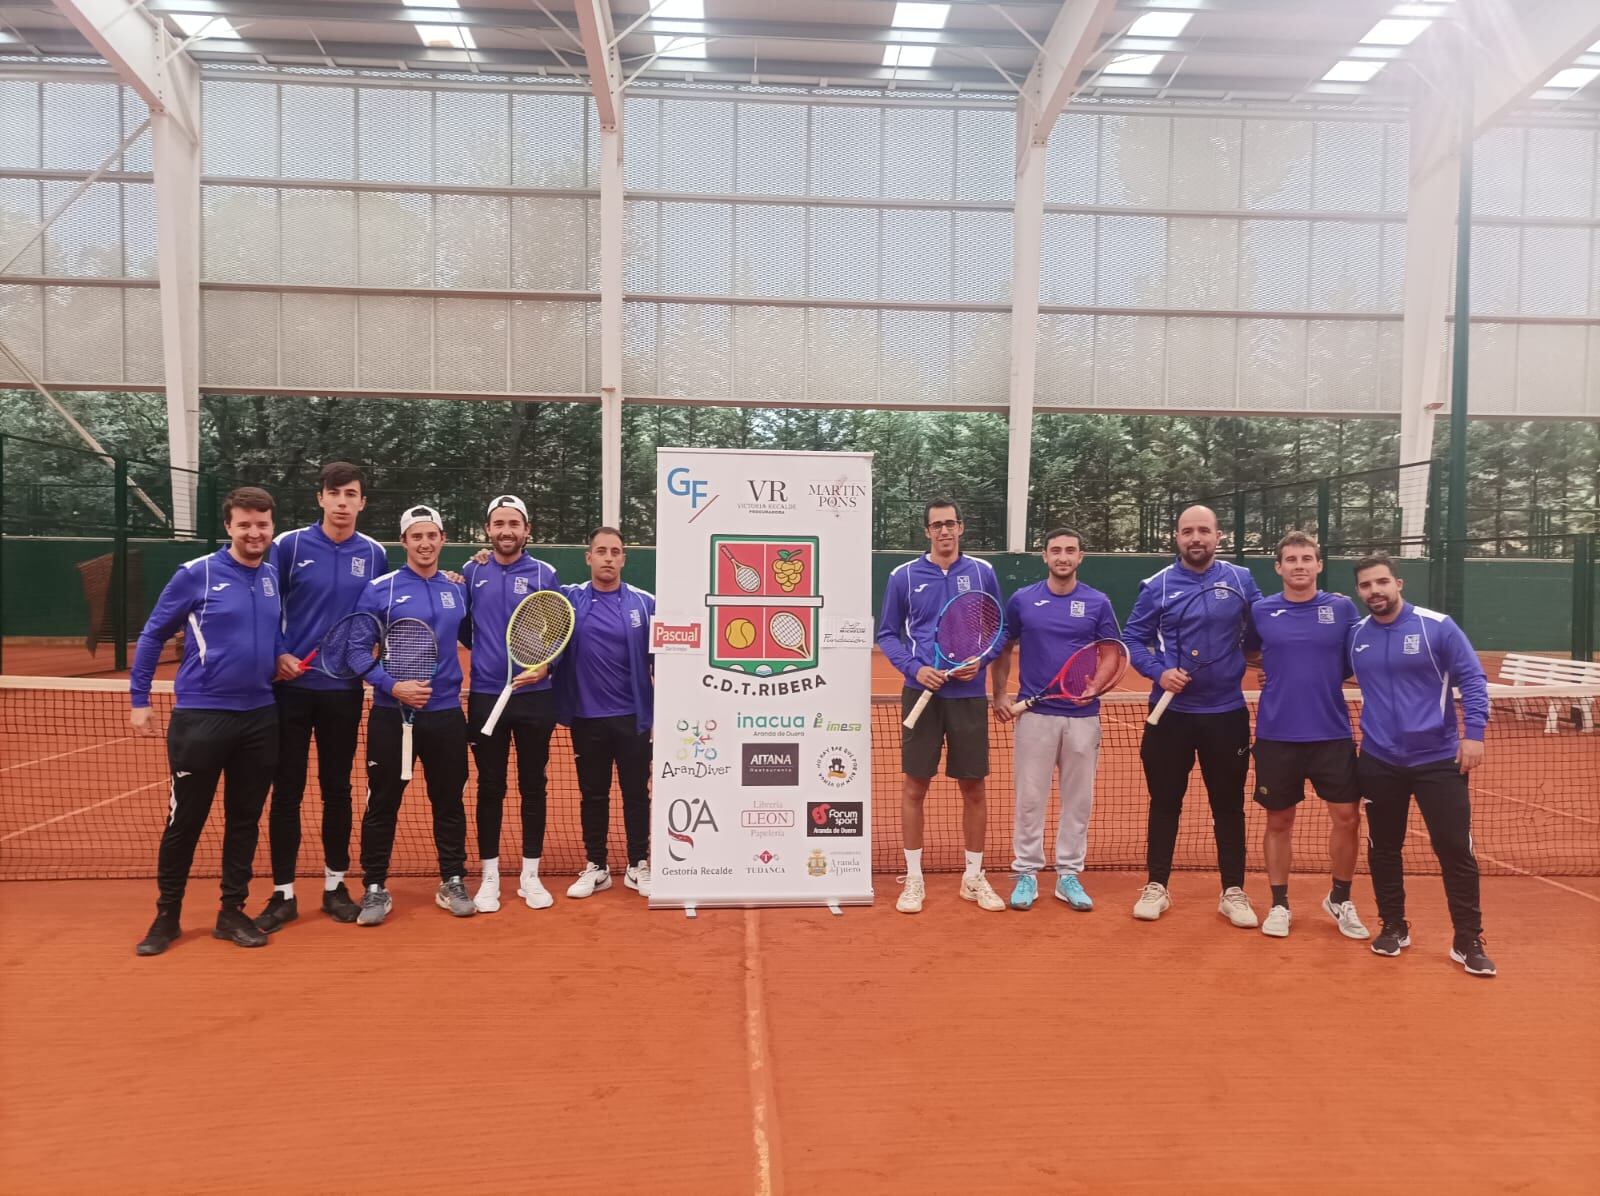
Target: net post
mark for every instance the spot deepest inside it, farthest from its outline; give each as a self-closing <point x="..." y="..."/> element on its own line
<point x="119" y="563"/>
<point x="1455" y="592"/>
<point x="1324" y="512"/>
<point x="1238" y="525"/>
<point x="1583" y="597"/>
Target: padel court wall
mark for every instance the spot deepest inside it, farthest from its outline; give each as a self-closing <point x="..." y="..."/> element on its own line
<point x="1522" y="604"/>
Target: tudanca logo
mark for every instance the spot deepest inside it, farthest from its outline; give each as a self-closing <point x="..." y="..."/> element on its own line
<point x="680" y="636"/>
<point x="769" y="764"/>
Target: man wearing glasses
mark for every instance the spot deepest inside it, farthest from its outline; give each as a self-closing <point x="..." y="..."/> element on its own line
<point x="959" y="714"/>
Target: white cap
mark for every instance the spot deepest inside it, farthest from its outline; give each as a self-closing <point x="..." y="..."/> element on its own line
<point x="507" y="500"/>
<point x="421" y="515"/>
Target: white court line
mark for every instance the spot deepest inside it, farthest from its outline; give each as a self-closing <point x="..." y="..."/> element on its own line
<point x="763" y="1114"/>
<point x="82" y="810"/>
<point x="1537" y="806"/>
<point x="63" y="755"/>
<point x="1555" y="884"/>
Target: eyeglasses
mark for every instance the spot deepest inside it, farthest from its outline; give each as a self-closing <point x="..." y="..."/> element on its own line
<point x="944" y="525"/>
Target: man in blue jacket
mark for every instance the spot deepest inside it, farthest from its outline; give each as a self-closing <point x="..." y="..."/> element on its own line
<point x="1409" y="662"/>
<point x="324" y="569"/>
<point x="605" y="691"/>
<point x="957" y="720"/>
<point x="495" y="586"/>
<point x="1208" y="720"/>
<point x="224" y="721"/>
<point x="418" y="590"/>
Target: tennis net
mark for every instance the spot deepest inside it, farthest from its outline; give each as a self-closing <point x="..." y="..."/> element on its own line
<point x="81" y="797"/>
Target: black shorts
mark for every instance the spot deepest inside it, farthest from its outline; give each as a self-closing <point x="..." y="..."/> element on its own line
<point x="963" y="723"/>
<point x="1283" y="768"/>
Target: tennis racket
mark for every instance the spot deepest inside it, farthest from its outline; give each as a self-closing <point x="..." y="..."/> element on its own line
<point x="349" y="649"/>
<point x="1205" y="627"/>
<point x="410" y="653"/>
<point x="536" y="634"/>
<point x="1088" y="673"/>
<point x="969" y="626"/>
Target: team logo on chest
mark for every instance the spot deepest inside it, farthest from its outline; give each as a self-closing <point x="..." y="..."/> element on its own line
<point x="963" y="584"/>
<point x="1412" y="645"/>
<point x="1324" y="614"/>
<point x="1077" y="608"/>
<point x="447" y="600"/>
<point x="268" y="588"/>
<point x="358" y="566"/>
<point x="633" y="617"/>
<point x="519" y="585"/>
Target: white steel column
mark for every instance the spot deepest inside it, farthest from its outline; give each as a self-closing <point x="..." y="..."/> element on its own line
<point x="1430" y="250"/>
<point x="150" y="61"/>
<point x="605" y="81"/>
<point x="1050" y="84"/>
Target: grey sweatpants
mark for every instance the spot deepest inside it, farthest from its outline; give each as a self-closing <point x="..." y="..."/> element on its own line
<point x="1045" y="743"/>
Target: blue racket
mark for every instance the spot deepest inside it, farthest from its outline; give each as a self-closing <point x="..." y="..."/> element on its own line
<point x="969" y="626"/>
<point x="410" y="653"/>
<point x="1205" y="627"/>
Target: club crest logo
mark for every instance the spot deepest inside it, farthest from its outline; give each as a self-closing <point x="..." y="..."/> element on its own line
<point x="1324" y="614"/>
<point x="1077" y="609"/>
<point x="519" y="585"/>
<point x="1412" y="645"/>
<point x="963" y="583"/>
<point x="267" y="587"/>
<point x="817" y="863"/>
<point x="447" y="600"/>
<point x="765" y="604"/>
<point x="358" y="566"/>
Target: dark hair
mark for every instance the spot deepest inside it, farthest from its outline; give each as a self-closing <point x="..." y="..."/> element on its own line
<point x="1056" y="533"/>
<point x="1374" y="560"/>
<point x="604" y="529"/>
<point x="927" y="508"/>
<point x="337" y="474"/>
<point x="1298" y="539"/>
<point x="247" y="498"/>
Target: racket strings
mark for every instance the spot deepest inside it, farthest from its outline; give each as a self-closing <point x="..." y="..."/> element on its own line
<point x="538" y="630"/>
<point x="968" y="626"/>
<point x="410" y="653"/>
<point x="349" y="646"/>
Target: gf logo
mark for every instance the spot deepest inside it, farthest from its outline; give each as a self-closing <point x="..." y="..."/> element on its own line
<point x="681" y="484"/>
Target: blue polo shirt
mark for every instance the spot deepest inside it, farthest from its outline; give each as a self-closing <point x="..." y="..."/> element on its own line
<point x="1050" y="628"/>
<point x="1303" y="654"/>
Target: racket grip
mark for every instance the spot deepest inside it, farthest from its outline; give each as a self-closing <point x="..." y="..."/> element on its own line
<point x="1161" y="707"/>
<point x="1022" y="707"/>
<point x="405" y="749"/>
<point x="493" y="721"/>
<point x="305" y="662"/>
<point x="916" y="711"/>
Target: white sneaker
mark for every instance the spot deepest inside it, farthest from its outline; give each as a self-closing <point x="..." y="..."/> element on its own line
<point x="487" y="898"/>
<point x="911" y="896"/>
<point x="637" y="877"/>
<point x="1344" y="913"/>
<point x="531" y="889"/>
<point x="977" y="888"/>
<point x="1153" y="902"/>
<point x="1235" y="906"/>
<point x="1277" y="923"/>
<point x="590" y="881"/>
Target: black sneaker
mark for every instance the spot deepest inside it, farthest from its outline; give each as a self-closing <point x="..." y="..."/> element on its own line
<point x="279" y="913"/>
<point x="336" y="903"/>
<point x="1469" y="954"/>
<point x="163" y="932"/>
<point x="1392" y="938"/>
<point x="235" y="926"/>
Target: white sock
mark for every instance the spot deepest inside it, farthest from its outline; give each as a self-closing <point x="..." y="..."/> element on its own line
<point x="491" y="871"/>
<point x="287" y="890"/>
<point x="331" y="880"/>
<point x="530" y="866"/>
<point x="914" y="864"/>
<point x="974" y="864"/>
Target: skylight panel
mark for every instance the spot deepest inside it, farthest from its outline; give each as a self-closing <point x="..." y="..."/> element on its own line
<point x="680" y="45"/>
<point x="920" y="16"/>
<point x="1133" y="64"/>
<point x="1573" y="77"/>
<point x="206" y="27"/>
<point x="1351" y="70"/>
<point x="1392" y="31"/>
<point x="1160" y="24"/>
<point x="908" y="56"/>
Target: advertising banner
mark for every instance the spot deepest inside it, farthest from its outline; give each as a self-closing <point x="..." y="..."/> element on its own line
<point x="762" y="640"/>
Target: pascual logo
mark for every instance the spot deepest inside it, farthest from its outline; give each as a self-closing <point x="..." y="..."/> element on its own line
<point x="836" y="767"/>
<point x="835" y="819"/>
<point x="769" y="726"/>
<point x="687" y="819"/>
<point x="768" y="496"/>
<point x="823" y="723"/>
<point x="837" y="496"/>
<point x="771" y="764"/>
<point x="682" y="637"/>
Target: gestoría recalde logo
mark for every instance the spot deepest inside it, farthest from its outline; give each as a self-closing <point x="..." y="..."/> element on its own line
<point x="687" y="819"/>
<point x="834" y="819"/>
<point x="770" y="764"/>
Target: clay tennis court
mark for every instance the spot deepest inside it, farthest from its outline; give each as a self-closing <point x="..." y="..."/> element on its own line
<point x="785" y="1050"/>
